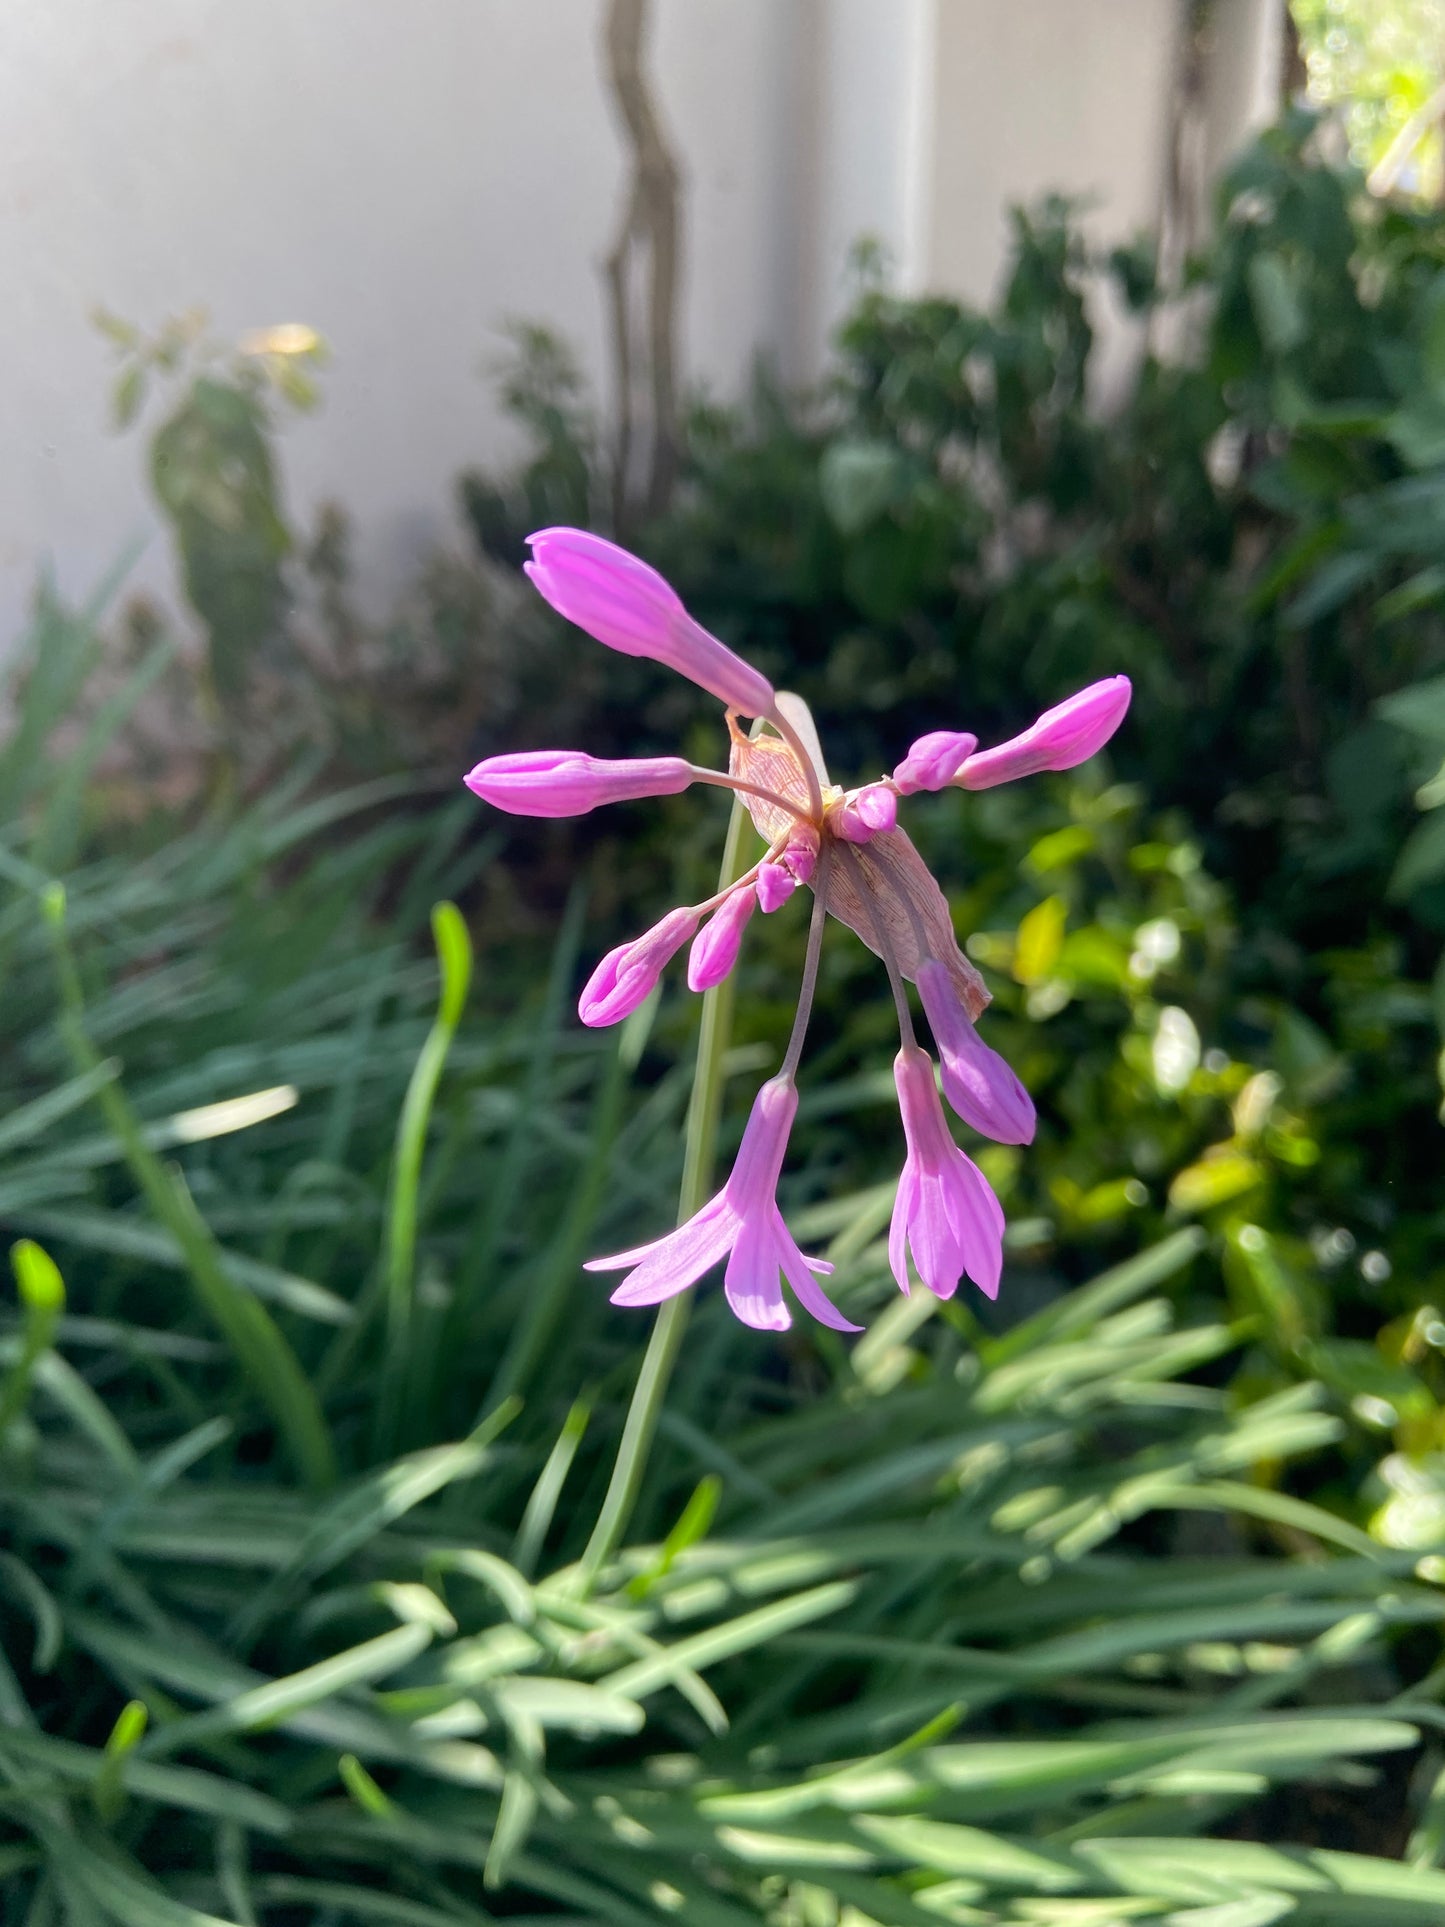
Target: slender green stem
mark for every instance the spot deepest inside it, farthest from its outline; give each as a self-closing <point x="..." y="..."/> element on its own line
<point x="454" y="955"/>
<point x="809" y="984"/>
<point x="699" y="1147"/>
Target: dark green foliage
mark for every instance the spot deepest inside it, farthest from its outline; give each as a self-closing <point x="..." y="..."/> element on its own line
<point x="212" y="472"/>
<point x="954" y="1623"/>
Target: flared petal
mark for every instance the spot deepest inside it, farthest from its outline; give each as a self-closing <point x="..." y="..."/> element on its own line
<point x="977" y="1220"/>
<point x="798" y="1269"/>
<point x="898" y="1230"/>
<point x="639" y="1254"/>
<point x="751" y="1281"/>
<point x="932" y="1237"/>
<point x="680" y="1261"/>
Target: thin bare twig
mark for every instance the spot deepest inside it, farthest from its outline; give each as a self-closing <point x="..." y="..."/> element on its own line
<point x="644" y="347"/>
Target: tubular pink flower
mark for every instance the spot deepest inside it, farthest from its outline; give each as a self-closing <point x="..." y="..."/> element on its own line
<point x="866" y="813"/>
<point x="715" y="947"/>
<point x="566" y="782"/>
<point x="741" y="1223"/>
<point x="976" y="1081"/>
<point x="1068" y="734"/>
<point x="945" y="1212"/>
<point x="934" y="760"/>
<point x="627" y="605"/>
<point x="627" y="974"/>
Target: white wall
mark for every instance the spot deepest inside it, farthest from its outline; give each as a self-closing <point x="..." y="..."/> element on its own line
<point x="400" y="176"/>
<point x="404" y="176"/>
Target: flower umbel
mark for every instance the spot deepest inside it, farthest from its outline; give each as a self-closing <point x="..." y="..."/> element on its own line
<point x="862" y="869"/>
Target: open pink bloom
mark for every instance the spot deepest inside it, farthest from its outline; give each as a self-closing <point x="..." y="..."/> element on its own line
<point x="863" y="870"/>
<point x="976" y="1080"/>
<point x="945" y="1214"/>
<point x="626" y="975"/>
<point x="934" y="760"/>
<point x="566" y="782"/>
<point x="715" y="947"/>
<point x="1068" y="734"/>
<point x="742" y="1224"/>
<point x="623" y="602"/>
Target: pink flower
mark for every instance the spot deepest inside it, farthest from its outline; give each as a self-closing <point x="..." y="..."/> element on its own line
<point x="976" y="1080"/>
<point x="715" y="947"/>
<point x="565" y="782"/>
<point x="742" y="1224"/>
<point x="1061" y="737"/>
<point x="623" y="602"/>
<point x="945" y="1212"/>
<point x="933" y="761"/>
<point x="863" y="871"/>
<point x="625" y="977"/>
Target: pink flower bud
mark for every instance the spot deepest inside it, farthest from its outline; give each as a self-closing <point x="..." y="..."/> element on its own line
<point x="976" y="1080"/>
<point x="626" y="975"/>
<point x="627" y="605"/>
<point x="801" y="853"/>
<point x="565" y="782"/>
<point x="866" y="813"/>
<point x="715" y="947"/>
<point x="1068" y="734"/>
<point x="778" y="880"/>
<point x="933" y="761"/>
<point x="776" y="883"/>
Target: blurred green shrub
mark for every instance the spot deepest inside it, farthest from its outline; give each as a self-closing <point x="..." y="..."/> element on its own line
<point x="214" y="474"/>
<point x="959" y="527"/>
<point x="950" y="1624"/>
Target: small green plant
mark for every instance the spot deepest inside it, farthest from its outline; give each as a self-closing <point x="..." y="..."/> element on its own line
<point x="214" y="473"/>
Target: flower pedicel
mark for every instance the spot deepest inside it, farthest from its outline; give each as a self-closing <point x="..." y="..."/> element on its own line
<point x="846" y="846"/>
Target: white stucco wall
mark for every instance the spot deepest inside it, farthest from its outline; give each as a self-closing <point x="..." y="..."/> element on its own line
<point x="400" y="177"/>
<point x="405" y="177"/>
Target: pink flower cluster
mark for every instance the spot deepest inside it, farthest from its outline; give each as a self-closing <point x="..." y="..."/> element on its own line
<point x="863" y="869"/>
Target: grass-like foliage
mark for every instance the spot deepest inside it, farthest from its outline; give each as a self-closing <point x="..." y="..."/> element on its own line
<point x="307" y="1413"/>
